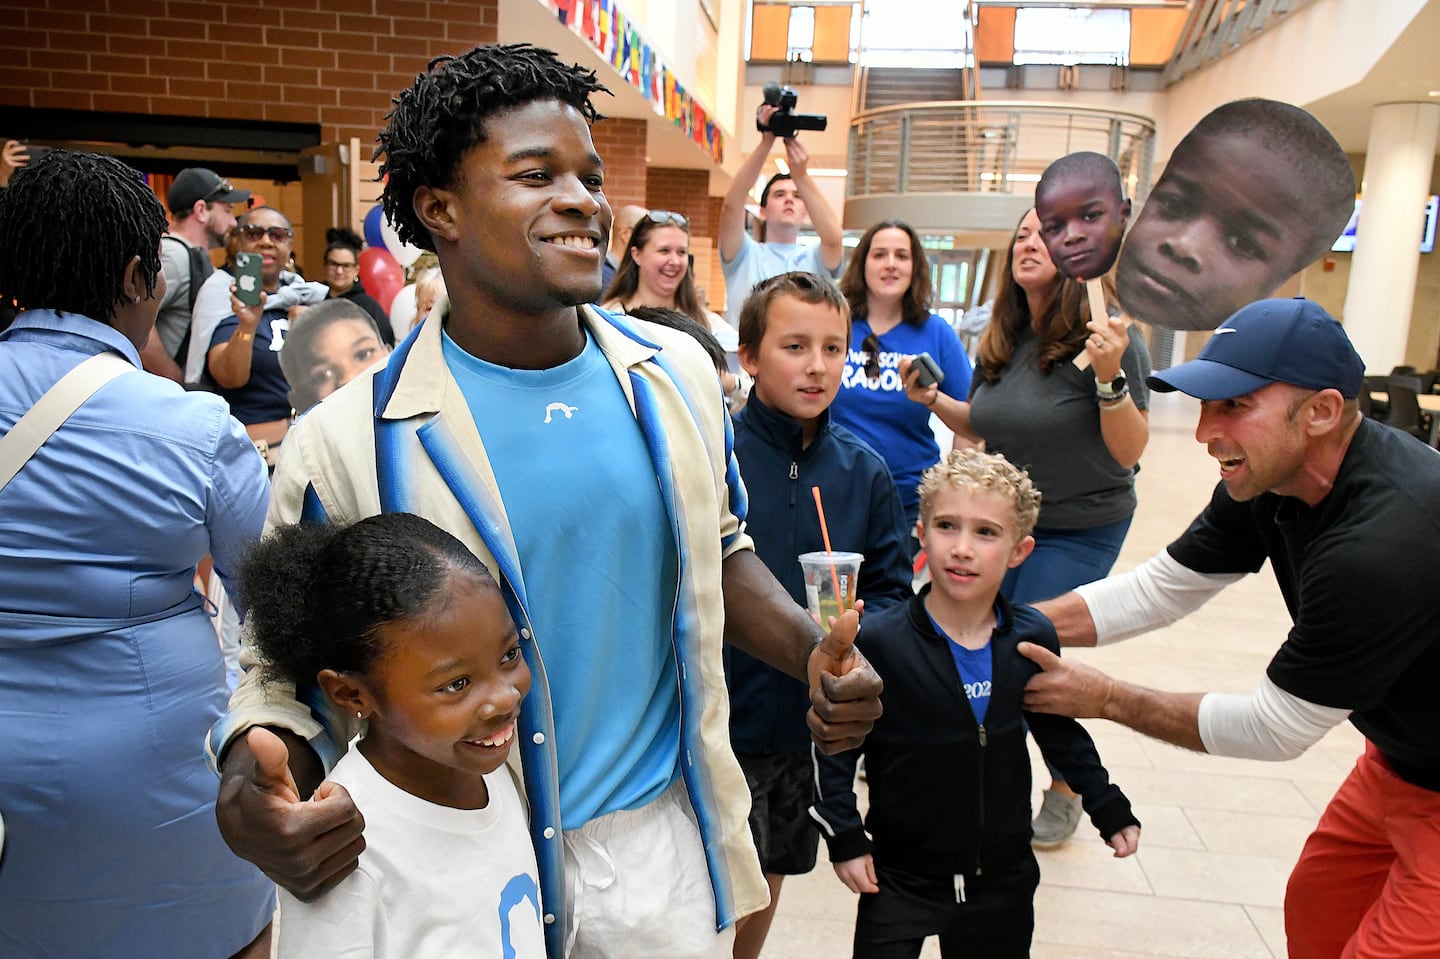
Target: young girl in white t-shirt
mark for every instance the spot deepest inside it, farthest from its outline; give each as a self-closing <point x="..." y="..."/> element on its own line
<point x="401" y="625"/>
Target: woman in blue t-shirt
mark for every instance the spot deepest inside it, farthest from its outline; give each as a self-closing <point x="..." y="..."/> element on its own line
<point x="887" y="283"/>
<point x="244" y="356"/>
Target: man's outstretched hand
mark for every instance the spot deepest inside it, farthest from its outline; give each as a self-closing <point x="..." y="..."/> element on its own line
<point x="844" y="687"/>
<point x="306" y="846"/>
<point x="1064" y="686"/>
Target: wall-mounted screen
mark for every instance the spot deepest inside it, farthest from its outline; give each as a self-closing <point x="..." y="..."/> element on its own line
<point x="1346" y="242"/>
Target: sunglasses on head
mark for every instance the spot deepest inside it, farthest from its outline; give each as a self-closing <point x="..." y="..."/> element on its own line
<point x="254" y="231"/>
<point x="222" y="188"/>
<point x="668" y="218"/>
<point x="871" y="346"/>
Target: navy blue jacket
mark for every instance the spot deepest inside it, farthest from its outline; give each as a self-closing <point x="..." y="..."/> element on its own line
<point x="948" y="795"/>
<point x="862" y="512"/>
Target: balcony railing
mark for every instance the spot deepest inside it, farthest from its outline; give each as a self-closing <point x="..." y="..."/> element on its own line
<point x="989" y="146"/>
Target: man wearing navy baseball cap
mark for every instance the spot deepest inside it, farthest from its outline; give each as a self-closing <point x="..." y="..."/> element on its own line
<point x="201" y="213"/>
<point x="1347" y="511"/>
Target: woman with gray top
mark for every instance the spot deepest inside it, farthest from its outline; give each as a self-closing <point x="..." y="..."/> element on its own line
<point x="1063" y="396"/>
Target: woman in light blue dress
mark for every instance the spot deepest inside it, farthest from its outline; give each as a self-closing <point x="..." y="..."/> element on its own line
<point x="110" y="671"/>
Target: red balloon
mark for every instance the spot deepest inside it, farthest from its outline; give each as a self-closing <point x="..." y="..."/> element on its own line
<point x="381" y="275"/>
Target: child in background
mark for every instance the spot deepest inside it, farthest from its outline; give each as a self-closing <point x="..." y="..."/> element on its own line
<point x="794" y="333"/>
<point x="398" y="623"/>
<point x="735" y="384"/>
<point x="947" y="766"/>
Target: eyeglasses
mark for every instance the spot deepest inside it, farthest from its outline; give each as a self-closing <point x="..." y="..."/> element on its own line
<point x="332" y="265"/>
<point x="871" y="346"/>
<point x="668" y="218"/>
<point x="221" y="189"/>
<point x="277" y="234"/>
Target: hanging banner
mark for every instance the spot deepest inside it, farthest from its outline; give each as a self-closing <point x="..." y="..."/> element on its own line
<point x="602" y="25"/>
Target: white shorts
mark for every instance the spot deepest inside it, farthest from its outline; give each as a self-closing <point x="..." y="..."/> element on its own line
<point x="639" y="886"/>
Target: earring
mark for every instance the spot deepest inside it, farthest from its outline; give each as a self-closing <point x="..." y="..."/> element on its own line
<point x="359" y="714"/>
<point x="135" y="299"/>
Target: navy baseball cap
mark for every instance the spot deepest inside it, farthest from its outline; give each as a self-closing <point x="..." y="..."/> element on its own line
<point x="197" y="183"/>
<point x="1269" y="341"/>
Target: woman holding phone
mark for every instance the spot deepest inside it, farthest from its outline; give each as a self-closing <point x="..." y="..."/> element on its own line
<point x="110" y="675"/>
<point x="882" y="399"/>
<point x="244" y="357"/>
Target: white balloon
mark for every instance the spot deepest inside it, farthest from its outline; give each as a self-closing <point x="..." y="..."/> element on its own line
<point x="404" y="253"/>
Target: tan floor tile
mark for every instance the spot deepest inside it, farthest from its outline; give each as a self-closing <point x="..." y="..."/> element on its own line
<point x="1168" y="787"/>
<point x="1145" y="925"/>
<point x="1087" y="863"/>
<point x="1271" y="923"/>
<point x="1216" y="876"/>
<point x="1314" y="765"/>
<point x="1317" y="794"/>
<point x="1278" y="837"/>
<point x="1167" y="826"/>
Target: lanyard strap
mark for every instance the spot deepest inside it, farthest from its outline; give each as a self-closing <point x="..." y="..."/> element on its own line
<point x="51" y="411"/>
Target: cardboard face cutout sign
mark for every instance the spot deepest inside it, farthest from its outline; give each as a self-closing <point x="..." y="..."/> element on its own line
<point x="1083" y="211"/>
<point x="328" y="346"/>
<point x="1256" y="192"/>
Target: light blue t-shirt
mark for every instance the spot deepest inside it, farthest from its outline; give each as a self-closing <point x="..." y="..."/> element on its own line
<point x="878" y="410"/>
<point x="600" y="566"/>
<point x="760" y="261"/>
<point x="976" y="670"/>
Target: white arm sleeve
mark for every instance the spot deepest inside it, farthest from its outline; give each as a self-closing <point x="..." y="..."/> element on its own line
<point x="1156" y="593"/>
<point x="1268" y="724"/>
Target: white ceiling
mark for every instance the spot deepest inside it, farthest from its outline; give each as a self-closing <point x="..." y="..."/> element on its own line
<point x="1409" y="70"/>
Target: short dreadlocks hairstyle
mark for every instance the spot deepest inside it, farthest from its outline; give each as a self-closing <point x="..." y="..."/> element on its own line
<point x="71" y="223"/>
<point x="443" y="115"/>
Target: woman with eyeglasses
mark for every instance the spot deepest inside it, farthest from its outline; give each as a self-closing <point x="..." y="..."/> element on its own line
<point x="887" y="283"/>
<point x="1062" y="395"/>
<point x="244" y="357"/>
<point x="342" y="277"/>
<point x="110" y="675"/>
<point x="655" y="271"/>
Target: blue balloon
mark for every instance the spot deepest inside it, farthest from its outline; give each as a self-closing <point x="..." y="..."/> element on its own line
<point x="373" y="234"/>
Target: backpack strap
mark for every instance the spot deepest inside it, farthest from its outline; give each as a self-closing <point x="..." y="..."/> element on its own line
<point x="52" y="410"/>
<point x="200" y="270"/>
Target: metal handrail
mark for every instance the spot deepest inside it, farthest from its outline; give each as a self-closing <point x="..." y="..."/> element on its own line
<point x="989" y="146"/>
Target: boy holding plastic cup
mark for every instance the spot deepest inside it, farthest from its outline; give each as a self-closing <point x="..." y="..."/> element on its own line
<point x="794" y="334"/>
<point x="945" y="849"/>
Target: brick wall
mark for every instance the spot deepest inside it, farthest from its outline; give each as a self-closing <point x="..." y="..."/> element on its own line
<point x="621" y="144"/>
<point x="684" y="191"/>
<point x="332" y="62"/>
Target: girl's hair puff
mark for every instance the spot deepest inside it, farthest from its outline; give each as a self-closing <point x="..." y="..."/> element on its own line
<point x="974" y="470"/>
<point x="317" y="597"/>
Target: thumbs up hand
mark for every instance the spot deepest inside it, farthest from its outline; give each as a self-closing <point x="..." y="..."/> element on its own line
<point x="1065" y="687"/>
<point x="306" y="846"/>
<point x="844" y="687"/>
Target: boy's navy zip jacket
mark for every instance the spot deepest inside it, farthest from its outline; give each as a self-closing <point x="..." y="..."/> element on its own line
<point x="947" y="795"/>
<point x="862" y="512"/>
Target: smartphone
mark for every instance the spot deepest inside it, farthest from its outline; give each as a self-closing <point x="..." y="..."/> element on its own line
<point x="930" y="372"/>
<point x="247" y="278"/>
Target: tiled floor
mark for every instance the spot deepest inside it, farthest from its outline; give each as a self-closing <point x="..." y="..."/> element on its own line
<point x="1220" y="835"/>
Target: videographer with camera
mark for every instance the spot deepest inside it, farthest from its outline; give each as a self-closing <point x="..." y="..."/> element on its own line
<point x="784" y="206"/>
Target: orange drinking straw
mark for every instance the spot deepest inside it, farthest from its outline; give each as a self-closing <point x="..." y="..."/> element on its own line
<point x="825" y="535"/>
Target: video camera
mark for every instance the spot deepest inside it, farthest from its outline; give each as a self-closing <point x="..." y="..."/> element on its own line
<point x="785" y="122"/>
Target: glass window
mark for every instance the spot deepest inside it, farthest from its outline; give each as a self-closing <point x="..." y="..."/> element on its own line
<point x="916" y="33"/>
<point x="1071" y="36"/>
<point x="802" y="33"/>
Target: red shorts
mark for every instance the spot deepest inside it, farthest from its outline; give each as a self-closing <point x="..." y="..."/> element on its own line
<point x="1367" y="884"/>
